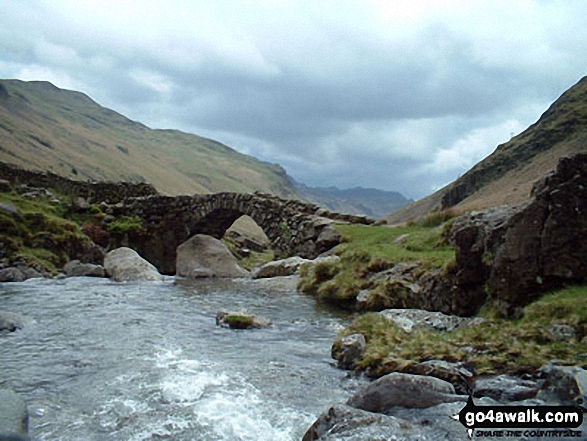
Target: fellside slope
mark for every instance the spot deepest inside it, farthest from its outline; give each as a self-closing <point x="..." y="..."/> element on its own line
<point x="46" y="128"/>
<point x="507" y="175"/>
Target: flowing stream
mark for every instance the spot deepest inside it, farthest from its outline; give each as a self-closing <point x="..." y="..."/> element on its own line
<point x="99" y="360"/>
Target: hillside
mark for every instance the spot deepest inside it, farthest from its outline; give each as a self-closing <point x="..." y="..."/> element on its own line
<point x="46" y="128"/>
<point x="368" y="201"/>
<point x="507" y="175"/>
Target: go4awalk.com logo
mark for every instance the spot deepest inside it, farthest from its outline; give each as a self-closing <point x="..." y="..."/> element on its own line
<point x="521" y="421"/>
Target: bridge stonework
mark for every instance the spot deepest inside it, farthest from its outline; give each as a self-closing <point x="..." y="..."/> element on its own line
<point x="293" y="227"/>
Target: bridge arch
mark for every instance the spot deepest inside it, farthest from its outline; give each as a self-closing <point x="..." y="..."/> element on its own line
<point x="292" y="227"/>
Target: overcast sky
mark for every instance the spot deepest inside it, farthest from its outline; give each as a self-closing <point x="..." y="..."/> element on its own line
<point x="398" y="95"/>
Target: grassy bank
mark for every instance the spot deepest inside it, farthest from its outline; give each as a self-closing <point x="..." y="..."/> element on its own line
<point x="368" y="250"/>
<point x="45" y="233"/>
<point x="497" y="345"/>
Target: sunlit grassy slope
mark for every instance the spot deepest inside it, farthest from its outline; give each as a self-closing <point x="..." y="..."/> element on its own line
<point x="47" y="128"/>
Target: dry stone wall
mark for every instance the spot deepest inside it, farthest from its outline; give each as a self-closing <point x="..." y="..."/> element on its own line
<point x="93" y="192"/>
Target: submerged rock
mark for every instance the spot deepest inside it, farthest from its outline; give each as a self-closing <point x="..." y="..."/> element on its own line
<point x="205" y="256"/>
<point x="10" y="322"/>
<point x="14" y="416"/>
<point x="241" y="320"/>
<point x="125" y="265"/>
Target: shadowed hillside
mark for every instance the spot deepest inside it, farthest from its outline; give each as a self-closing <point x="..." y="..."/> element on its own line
<point x="506" y="176"/>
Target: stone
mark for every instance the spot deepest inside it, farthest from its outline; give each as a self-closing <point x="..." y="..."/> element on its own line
<point x="411" y="319"/>
<point x="404" y="390"/>
<point x="565" y="385"/>
<point x="125" y="265"/>
<point x="563" y="332"/>
<point x="241" y="320"/>
<point x="11" y="274"/>
<point x="279" y="268"/>
<point x="505" y="388"/>
<point x="5" y="186"/>
<point x="9" y="209"/>
<point x="455" y="373"/>
<point x="10" y="322"/>
<point x="75" y="268"/>
<point x="14" y="416"/>
<point x="205" y="256"/>
<point x="343" y="422"/>
<point x="349" y="350"/>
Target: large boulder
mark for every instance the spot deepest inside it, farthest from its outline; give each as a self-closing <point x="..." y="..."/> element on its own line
<point x="517" y="253"/>
<point x="75" y="268"/>
<point x="125" y="265"/>
<point x="566" y="385"/>
<point x="404" y="390"/>
<point x="14" y="417"/>
<point x="205" y="256"/>
<point x="18" y="273"/>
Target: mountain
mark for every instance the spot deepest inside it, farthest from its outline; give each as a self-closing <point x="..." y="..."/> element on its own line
<point x="507" y="175"/>
<point x="46" y="128"/>
<point x="368" y="201"/>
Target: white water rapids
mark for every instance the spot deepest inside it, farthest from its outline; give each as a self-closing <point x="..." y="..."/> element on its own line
<point x="99" y="360"/>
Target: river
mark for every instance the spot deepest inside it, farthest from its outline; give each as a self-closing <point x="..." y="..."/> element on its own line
<point x="99" y="360"/>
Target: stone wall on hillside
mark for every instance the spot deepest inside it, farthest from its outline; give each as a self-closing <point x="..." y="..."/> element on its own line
<point x="93" y="192"/>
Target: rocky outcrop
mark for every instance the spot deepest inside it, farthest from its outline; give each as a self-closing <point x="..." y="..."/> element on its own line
<point x="75" y="268"/>
<point x="566" y="385"/>
<point x="125" y="265"/>
<point x="205" y="256"/>
<point x="241" y="320"/>
<point x="518" y="253"/>
<point x="14" y="417"/>
<point x="279" y="268"/>
<point x="10" y="322"/>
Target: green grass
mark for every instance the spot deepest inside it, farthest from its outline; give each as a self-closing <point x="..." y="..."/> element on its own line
<point x="498" y="345"/>
<point x="367" y="250"/>
<point x="42" y="236"/>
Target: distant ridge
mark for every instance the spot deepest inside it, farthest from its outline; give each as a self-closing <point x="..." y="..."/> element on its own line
<point x="507" y="175"/>
<point x="368" y="201"/>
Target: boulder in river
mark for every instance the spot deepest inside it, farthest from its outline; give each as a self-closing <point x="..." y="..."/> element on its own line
<point x="14" y="417"/>
<point x="125" y="265"/>
<point x="205" y="256"/>
<point x="10" y="322"/>
<point x="75" y="268"/>
<point x="241" y="320"/>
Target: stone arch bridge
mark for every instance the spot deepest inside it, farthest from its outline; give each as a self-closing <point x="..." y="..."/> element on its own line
<point x="293" y="227"/>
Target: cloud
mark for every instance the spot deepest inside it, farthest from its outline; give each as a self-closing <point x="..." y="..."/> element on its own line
<point x="394" y="95"/>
